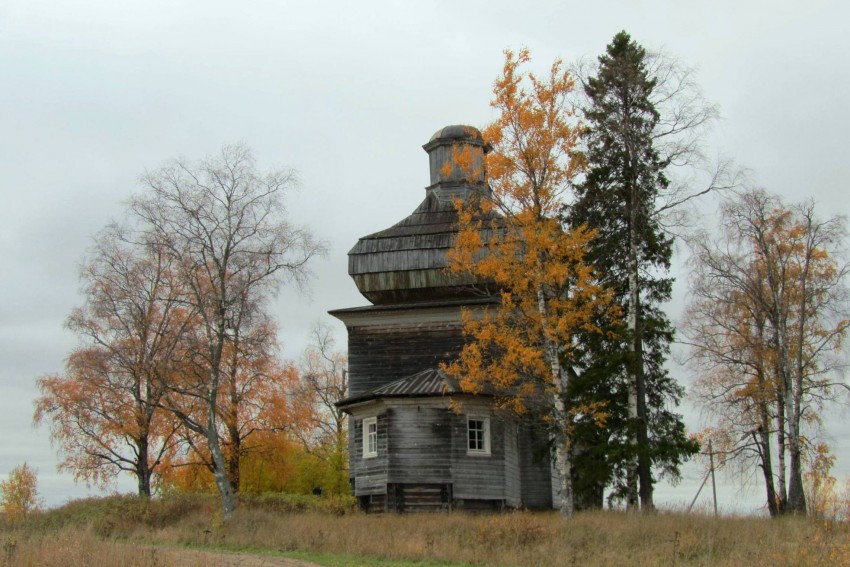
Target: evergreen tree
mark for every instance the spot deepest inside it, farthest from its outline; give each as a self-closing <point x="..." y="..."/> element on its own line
<point x="625" y="367"/>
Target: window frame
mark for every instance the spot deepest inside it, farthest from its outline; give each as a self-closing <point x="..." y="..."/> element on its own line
<point x="369" y="453"/>
<point x="485" y="435"/>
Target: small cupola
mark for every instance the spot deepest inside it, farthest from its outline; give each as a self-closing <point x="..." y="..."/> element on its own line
<point x="456" y="157"/>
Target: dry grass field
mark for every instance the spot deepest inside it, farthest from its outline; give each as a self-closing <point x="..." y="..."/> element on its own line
<point x="123" y="531"/>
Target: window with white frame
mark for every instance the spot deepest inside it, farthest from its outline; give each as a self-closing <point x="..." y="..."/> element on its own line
<point x="370" y="437"/>
<point x="478" y="435"/>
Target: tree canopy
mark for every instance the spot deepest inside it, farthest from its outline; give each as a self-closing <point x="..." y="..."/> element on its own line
<point x="548" y="293"/>
<point x="766" y="326"/>
<point x="621" y="198"/>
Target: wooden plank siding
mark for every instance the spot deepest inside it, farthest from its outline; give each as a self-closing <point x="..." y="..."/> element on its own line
<point x="410" y="281"/>
<point x="423" y="460"/>
<point x="423" y="448"/>
<point x="478" y="477"/>
<point x="439" y="156"/>
<point x="370" y="474"/>
<point x="417" y="444"/>
<point x="513" y="473"/>
<point x="407" y="262"/>
<point x="419" y="497"/>
<point x="378" y="355"/>
<point x="556" y="486"/>
<point x="535" y="468"/>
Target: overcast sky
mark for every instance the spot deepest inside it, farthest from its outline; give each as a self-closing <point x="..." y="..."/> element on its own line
<point x="94" y="92"/>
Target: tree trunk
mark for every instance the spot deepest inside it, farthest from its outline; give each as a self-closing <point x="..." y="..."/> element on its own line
<point x="633" y="349"/>
<point x="780" y="455"/>
<point x="763" y="439"/>
<point x="796" y="496"/>
<point x="564" y="468"/>
<point x="644" y="460"/>
<point x="235" y="442"/>
<point x="228" y="498"/>
<point x="560" y="379"/>
<point x="766" y="460"/>
<point x="796" y="501"/>
<point x="143" y="472"/>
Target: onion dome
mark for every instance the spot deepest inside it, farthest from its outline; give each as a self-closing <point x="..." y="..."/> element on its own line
<point x="406" y="263"/>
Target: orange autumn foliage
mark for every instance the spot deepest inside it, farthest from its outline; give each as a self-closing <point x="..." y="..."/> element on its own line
<point x="253" y="398"/>
<point x="512" y="238"/>
<point x="272" y="462"/>
<point x="278" y="424"/>
<point x="101" y="425"/>
<point x="104" y="411"/>
<point x="19" y="493"/>
<point x="768" y="315"/>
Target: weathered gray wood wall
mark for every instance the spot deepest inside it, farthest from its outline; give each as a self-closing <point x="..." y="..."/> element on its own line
<point x="378" y="355"/>
<point x="513" y="475"/>
<point x="536" y="469"/>
<point x="423" y="449"/>
<point x="370" y="475"/>
<point x="417" y="445"/>
<point x="478" y="477"/>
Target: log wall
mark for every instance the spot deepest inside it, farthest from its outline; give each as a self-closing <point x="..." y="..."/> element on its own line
<point x="535" y="469"/>
<point x="369" y="474"/>
<point x="380" y="354"/>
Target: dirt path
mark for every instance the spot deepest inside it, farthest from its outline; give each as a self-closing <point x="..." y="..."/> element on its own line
<point x="200" y="558"/>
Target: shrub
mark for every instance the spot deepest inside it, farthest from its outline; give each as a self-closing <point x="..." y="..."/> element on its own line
<point x="19" y="493"/>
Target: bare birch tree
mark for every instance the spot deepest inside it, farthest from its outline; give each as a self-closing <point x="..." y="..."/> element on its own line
<point x="223" y="223"/>
<point x="322" y="427"/>
<point x="766" y="326"/>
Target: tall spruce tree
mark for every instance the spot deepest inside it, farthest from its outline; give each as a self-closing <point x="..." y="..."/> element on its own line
<point x="625" y="367"/>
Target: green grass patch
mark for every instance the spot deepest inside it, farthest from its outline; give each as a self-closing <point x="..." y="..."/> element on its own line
<point x="336" y="559"/>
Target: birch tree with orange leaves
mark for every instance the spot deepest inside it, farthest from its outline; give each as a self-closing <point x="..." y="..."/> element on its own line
<point x="766" y="326"/>
<point x="103" y="411"/>
<point x="521" y="348"/>
<point x="254" y="397"/>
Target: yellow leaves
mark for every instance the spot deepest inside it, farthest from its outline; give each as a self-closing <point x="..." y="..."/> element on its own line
<point x="446" y="170"/>
<point x="515" y="241"/>
<point x="464" y="161"/>
<point x="827" y="500"/>
<point x="19" y="493"/>
<point x="533" y="159"/>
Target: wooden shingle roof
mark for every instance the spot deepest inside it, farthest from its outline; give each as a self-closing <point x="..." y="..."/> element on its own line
<point x="407" y="262"/>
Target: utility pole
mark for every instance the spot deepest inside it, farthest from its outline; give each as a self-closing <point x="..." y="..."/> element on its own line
<point x="705" y="479"/>
<point x="711" y="468"/>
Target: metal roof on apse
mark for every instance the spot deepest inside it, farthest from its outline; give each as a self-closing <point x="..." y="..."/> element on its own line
<point x="430" y="382"/>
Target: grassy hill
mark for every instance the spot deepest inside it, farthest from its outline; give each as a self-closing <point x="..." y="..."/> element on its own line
<point x="120" y="531"/>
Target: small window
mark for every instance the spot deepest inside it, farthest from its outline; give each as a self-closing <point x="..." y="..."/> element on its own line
<point x="370" y="437"/>
<point x="478" y="435"/>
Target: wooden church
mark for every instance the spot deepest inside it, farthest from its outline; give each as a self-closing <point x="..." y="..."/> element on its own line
<point x="416" y="440"/>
